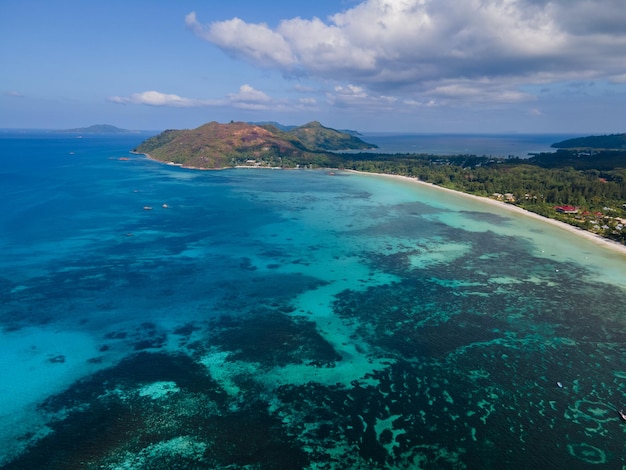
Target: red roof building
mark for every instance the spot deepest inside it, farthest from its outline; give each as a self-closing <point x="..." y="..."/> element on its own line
<point x="567" y="209"/>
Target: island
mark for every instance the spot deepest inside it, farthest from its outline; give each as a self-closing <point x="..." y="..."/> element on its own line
<point x="97" y="129"/>
<point x="215" y="145"/>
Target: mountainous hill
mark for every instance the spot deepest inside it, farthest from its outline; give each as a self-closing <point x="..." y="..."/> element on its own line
<point x="612" y="141"/>
<point x="97" y="129"/>
<point x="287" y="128"/>
<point x="215" y="145"/>
<point x="316" y="136"/>
<point x="277" y="125"/>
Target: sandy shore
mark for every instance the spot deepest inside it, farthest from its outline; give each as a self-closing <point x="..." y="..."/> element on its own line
<point x="592" y="237"/>
<point x="179" y="165"/>
<point x="597" y="239"/>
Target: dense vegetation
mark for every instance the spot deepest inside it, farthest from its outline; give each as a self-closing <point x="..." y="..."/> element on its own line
<point x="612" y="141"/>
<point x="315" y="136"/>
<point x="157" y="141"/>
<point x="539" y="184"/>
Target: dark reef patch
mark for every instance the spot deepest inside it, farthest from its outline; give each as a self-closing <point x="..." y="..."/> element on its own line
<point x="82" y="438"/>
<point x="270" y="337"/>
<point x="141" y="368"/>
<point x="408" y="220"/>
<point x="487" y="217"/>
<point x="103" y="420"/>
<point x="242" y="293"/>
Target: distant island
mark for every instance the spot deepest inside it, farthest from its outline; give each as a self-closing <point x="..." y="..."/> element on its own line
<point x="214" y="145"/>
<point x="97" y="129"/>
<point x="608" y="142"/>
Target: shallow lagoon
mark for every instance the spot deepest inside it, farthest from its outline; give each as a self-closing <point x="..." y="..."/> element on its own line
<point x="293" y="319"/>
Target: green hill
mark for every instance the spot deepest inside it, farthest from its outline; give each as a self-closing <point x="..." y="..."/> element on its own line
<point x="607" y="142"/>
<point x="316" y="136"/>
<point x="215" y="145"/>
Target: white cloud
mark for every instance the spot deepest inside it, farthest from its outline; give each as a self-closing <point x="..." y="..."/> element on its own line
<point x="448" y="48"/>
<point x="304" y="89"/>
<point x="256" y="42"/>
<point x="621" y="78"/>
<point x="351" y="90"/>
<point x="477" y="91"/>
<point x="14" y="94"/>
<point x="155" y="98"/>
<point x="246" y="98"/>
<point x="353" y="95"/>
<point x="249" y="94"/>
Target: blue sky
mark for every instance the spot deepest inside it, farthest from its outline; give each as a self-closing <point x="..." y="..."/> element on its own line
<point x="372" y="65"/>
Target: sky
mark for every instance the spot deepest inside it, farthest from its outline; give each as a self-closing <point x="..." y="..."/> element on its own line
<point x="419" y="66"/>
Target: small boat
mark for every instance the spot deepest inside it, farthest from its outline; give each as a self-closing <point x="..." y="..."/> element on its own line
<point x="147" y="208"/>
<point x="559" y="384"/>
<point x="622" y="415"/>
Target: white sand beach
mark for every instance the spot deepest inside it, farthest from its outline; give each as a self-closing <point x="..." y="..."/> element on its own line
<point x="604" y="242"/>
<point x="597" y="239"/>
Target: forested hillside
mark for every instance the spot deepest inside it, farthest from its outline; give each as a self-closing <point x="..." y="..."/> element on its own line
<point x="611" y="141"/>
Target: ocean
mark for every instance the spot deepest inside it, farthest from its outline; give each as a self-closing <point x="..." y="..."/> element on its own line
<point x="491" y="145"/>
<point x="159" y="317"/>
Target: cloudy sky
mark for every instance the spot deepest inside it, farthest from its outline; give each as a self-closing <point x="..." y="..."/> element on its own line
<point x="467" y="66"/>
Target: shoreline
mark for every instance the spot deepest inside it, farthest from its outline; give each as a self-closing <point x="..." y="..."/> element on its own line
<point x="179" y="165"/>
<point x="592" y="237"/>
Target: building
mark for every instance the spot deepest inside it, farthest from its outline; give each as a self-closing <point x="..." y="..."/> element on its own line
<point x="566" y="209"/>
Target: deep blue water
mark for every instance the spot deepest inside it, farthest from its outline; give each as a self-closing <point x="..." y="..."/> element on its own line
<point x="494" y="145"/>
<point x="158" y="317"/>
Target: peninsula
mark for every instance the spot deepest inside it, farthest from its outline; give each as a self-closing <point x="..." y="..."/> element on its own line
<point x="582" y="186"/>
<point x="214" y="145"/>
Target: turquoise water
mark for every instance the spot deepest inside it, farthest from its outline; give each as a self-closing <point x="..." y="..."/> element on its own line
<point x="293" y="319"/>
